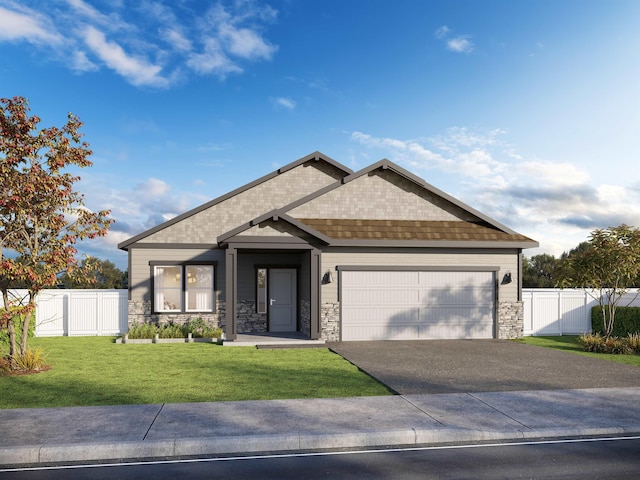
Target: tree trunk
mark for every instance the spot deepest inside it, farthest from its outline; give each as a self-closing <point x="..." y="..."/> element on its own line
<point x="26" y="321"/>
<point x="12" y="342"/>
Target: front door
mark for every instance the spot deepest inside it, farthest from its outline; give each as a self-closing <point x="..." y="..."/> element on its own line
<point x="282" y="300"/>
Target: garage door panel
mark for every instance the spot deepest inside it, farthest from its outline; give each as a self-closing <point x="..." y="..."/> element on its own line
<point x="376" y="296"/>
<point x="393" y="332"/>
<point x="456" y="313"/>
<point x="417" y="305"/>
<point x="382" y="316"/>
<point x="382" y="278"/>
<point x="455" y="331"/>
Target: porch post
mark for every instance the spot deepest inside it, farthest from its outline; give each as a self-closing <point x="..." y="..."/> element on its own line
<point x="231" y="295"/>
<point x="315" y="294"/>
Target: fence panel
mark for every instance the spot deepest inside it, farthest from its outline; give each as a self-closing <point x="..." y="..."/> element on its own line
<point x="80" y="312"/>
<point x="550" y="311"/>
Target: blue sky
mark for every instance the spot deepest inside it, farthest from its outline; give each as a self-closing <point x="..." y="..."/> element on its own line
<point x="528" y="111"/>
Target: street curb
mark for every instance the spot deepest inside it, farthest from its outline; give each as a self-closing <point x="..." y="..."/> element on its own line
<point x="34" y="454"/>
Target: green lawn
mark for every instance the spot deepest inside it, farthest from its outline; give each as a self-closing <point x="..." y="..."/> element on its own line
<point x="570" y="344"/>
<point x="96" y="371"/>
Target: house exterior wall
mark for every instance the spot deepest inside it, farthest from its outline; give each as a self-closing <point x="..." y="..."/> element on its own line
<point x="207" y="225"/>
<point x="381" y="195"/>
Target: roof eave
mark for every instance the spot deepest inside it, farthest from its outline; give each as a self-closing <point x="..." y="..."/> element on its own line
<point x="434" y="244"/>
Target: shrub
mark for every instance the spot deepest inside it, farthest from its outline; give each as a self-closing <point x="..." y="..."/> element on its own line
<point x="633" y="339"/>
<point x="170" y="330"/>
<point x="614" y="345"/>
<point x="143" y="330"/>
<point x="199" y="328"/>
<point x="31" y="360"/>
<point x="627" y="321"/>
<point x="592" y="342"/>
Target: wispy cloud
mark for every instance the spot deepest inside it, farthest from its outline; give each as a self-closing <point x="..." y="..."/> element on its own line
<point x="557" y="203"/>
<point x="138" y="71"/>
<point x="150" y="44"/>
<point x="284" y="102"/>
<point x="454" y="43"/>
<point x="22" y="23"/>
<point x="460" y="44"/>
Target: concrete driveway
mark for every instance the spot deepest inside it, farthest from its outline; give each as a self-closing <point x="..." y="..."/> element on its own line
<point x="457" y="366"/>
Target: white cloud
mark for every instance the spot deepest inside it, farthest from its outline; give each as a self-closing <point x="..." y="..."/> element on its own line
<point x="460" y="45"/>
<point x="442" y="31"/>
<point x="27" y="25"/>
<point x="246" y="43"/>
<point x="81" y="63"/>
<point x="284" y="102"/>
<point x="212" y="60"/>
<point x="150" y="44"/>
<point x="176" y="39"/>
<point x="137" y="70"/>
<point x="153" y="188"/>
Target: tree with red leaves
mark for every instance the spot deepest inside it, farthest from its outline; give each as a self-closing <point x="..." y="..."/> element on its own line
<point x="42" y="217"/>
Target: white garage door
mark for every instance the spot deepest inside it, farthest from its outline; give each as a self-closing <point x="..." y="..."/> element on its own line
<point x="391" y="305"/>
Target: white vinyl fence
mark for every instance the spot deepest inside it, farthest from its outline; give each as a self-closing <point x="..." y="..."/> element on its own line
<point x="80" y="312"/>
<point x="550" y="311"/>
<point x="104" y="312"/>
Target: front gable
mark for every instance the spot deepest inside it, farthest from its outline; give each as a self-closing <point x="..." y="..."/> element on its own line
<point x="385" y="204"/>
<point x="204" y="224"/>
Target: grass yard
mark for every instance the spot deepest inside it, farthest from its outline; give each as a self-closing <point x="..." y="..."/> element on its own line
<point x="570" y="343"/>
<point x="96" y="371"/>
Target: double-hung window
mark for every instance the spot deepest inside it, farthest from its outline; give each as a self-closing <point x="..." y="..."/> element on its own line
<point x="183" y="288"/>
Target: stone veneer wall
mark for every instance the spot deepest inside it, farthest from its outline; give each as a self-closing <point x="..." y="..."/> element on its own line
<point x="330" y="321"/>
<point x="140" y="312"/>
<point x="305" y="317"/>
<point x="248" y="320"/>
<point x="510" y="320"/>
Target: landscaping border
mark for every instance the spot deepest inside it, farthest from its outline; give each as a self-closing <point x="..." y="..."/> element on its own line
<point x="190" y="339"/>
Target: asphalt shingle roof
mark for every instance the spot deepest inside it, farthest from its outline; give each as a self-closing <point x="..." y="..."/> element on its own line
<point x="352" y="229"/>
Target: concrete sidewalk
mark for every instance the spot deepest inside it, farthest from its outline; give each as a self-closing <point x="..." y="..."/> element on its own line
<point x="31" y="436"/>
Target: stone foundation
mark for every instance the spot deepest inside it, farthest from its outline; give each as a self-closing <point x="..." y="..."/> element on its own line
<point x="510" y="320"/>
<point x="248" y="320"/>
<point x="140" y="312"/>
<point x="305" y="317"/>
<point x="330" y="322"/>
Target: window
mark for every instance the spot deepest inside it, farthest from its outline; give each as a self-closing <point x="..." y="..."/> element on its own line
<point x="261" y="291"/>
<point x="199" y="291"/>
<point x="183" y="288"/>
<point x="168" y="289"/>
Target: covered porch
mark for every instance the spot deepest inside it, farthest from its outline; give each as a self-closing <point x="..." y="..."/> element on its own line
<point x="272" y="289"/>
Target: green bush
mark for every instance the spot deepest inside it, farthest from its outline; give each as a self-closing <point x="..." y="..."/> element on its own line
<point x="199" y="328"/>
<point x="170" y="330"/>
<point x="4" y="334"/>
<point x="142" y="330"/>
<point x="627" y="320"/>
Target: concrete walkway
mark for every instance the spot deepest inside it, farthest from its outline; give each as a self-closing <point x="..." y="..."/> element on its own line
<point x="31" y="436"/>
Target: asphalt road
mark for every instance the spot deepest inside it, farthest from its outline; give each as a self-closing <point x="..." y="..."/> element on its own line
<point x="467" y="366"/>
<point x="601" y="459"/>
